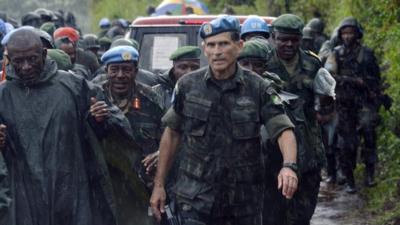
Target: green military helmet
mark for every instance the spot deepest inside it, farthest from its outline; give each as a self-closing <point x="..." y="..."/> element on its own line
<point x="48" y="27"/>
<point x="125" y="41"/>
<point x="316" y="25"/>
<point x="61" y="58"/>
<point x="256" y="48"/>
<point x="351" y="22"/>
<point x="90" y="41"/>
<point x="288" y="23"/>
<point x="186" y="52"/>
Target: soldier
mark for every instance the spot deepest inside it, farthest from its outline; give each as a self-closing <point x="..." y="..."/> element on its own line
<point x="85" y="63"/>
<point x="307" y="42"/>
<point x="185" y="60"/>
<point x="91" y="43"/>
<point x="297" y="69"/>
<point x="254" y="56"/>
<point x="317" y="27"/>
<point x="357" y="74"/>
<point x="31" y="19"/>
<point x="218" y="111"/>
<point x="138" y="103"/>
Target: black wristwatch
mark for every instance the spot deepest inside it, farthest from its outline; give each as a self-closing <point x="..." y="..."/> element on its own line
<point x="291" y="165"/>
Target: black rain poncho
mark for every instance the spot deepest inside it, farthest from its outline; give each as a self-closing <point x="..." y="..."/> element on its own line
<point x="56" y="170"/>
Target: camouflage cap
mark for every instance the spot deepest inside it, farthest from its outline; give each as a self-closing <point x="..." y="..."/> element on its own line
<point x="288" y="23"/>
<point x="223" y="23"/>
<point x="186" y="52"/>
<point x="255" y="48"/>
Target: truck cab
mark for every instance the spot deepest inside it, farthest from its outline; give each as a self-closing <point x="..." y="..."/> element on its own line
<point x="160" y="36"/>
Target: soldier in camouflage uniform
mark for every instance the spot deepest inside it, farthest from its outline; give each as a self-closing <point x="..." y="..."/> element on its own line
<point x="297" y="69"/>
<point x="218" y="110"/>
<point x="254" y="56"/>
<point x="185" y="60"/>
<point x="357" y="74"/>
<point x="139" y="104"/>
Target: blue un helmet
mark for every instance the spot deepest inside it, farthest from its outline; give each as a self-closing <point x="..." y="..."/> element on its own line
<point x="254" y="25"/>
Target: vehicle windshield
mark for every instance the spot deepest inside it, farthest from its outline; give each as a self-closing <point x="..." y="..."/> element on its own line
<point x="155" y="50"/>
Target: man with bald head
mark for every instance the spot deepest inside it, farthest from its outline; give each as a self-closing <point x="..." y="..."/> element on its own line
<point x="50" y="124"/>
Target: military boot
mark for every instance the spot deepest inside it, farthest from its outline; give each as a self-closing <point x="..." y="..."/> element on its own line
<point x="350" y="183"/>
<point x="369" y="175"/>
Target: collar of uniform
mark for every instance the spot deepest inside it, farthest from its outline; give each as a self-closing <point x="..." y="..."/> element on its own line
<point x="238" y="75"/>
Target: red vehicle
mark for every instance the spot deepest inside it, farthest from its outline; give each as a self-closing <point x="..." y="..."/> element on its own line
<point x="160" y="36"/>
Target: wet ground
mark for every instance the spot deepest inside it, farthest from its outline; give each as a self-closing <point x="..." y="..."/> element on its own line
<point x="336" y="207"/>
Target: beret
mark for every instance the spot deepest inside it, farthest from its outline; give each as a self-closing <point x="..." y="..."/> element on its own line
<point x="288" y="23"/>
<point x="71" y="33"/>
<point x="120" y="54"/>
<point x="219" y="25"/>
<point x="186" y="52"/>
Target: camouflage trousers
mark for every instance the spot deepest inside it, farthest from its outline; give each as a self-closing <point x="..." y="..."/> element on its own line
<point x="297" y="211"/>
<point x="225" y="210"/>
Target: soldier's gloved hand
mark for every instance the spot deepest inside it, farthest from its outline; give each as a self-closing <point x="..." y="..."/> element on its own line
<point x="287" y="181"/>
<point x="99" y="110"/>
<point x="157" y="201"/>
<point x="3" y="136"/>
<point x="150" y="162"/>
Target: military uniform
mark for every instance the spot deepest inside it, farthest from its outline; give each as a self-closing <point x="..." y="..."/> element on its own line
<point x="144" y="116"/>
<point x="221" y="170"/>
<point x="358" y="104"/>
<point x="310" y="155"/>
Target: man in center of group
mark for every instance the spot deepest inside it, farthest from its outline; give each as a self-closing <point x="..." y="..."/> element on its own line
<point x="218" y="111"/>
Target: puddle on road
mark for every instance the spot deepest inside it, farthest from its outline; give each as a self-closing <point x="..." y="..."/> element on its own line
<point x="336" y="207"/>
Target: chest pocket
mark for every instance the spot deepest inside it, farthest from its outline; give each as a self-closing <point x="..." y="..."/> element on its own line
<point x="196" y="110"/>
<point x="245" y="122"/>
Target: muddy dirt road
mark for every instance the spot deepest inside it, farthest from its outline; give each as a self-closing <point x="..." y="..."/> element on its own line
<point x="336" y="207"/>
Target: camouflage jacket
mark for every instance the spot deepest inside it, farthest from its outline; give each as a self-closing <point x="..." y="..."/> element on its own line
<point x="310" y="153"/>
<point x="144" y="115"/>
<point x="220" y="122"/>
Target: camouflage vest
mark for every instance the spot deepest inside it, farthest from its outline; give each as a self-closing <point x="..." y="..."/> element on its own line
<point x="310" y="152"/>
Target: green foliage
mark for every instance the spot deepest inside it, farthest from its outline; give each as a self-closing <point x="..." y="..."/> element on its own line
<point x="114" y="9"/>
